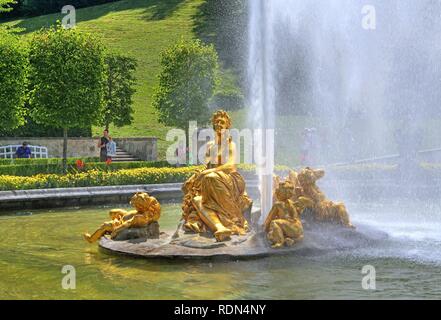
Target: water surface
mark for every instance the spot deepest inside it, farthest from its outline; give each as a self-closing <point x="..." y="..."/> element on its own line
<point x="34" y="246"/>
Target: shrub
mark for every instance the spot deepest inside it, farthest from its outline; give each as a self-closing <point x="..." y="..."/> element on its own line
<point x="5" y="5"/>
<point x="13" y="73"/>
<point x="97" y="178"/>
<point x="188" y="77"/>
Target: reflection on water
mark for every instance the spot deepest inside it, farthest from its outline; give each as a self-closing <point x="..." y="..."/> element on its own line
<point x="35" y="247"/>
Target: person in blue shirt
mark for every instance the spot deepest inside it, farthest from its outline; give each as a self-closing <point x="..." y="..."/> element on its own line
<point x="23" y="152"/>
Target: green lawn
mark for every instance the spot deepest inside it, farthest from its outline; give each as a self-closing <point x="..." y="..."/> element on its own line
<point x="141" y="29"/>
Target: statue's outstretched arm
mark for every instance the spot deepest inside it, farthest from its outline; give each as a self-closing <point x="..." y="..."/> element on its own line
<point x="302" y="203"/>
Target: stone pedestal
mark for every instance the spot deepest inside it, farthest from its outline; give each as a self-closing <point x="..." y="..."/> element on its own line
<point x="181" y="245"/>
<point x="149" y="232"/>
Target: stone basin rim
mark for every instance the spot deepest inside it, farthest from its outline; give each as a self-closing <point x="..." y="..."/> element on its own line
<point x="254" y="247"/>
<point x="200" y="257"/>
<point x="317" y="241"/>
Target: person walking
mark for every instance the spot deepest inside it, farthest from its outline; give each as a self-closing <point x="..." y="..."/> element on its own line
<point x="111" y="149"/>
<point x="102" y="145"/>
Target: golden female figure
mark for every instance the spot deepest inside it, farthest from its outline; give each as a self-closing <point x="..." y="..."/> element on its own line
<point x="215" y="198"/>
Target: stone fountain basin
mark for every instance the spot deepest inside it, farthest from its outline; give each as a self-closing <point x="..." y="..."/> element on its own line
<point x="180" y="245"/>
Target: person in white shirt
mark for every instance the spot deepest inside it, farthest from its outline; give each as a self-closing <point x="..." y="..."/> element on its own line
<point x="111" y="149"/>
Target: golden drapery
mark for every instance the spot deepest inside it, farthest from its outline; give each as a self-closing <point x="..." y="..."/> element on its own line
<point x="224" y="194"/>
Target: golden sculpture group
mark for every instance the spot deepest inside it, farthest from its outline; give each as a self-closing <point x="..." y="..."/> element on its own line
<point x="291" y="197"/>
<point x="216" y="202"/>
<point x="322" y="209"/>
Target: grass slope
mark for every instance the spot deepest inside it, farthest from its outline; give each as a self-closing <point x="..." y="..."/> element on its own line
<point x="141" y="29"/>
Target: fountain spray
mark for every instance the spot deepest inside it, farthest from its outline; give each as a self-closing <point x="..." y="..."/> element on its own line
<point x="261" y="97"/>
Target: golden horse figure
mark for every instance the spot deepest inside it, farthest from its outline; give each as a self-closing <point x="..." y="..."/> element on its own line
<point x="147" y="210"/>
<point x="323" y="210"/>
<point x="215" y="198"/>
<point x="283" y="226"/>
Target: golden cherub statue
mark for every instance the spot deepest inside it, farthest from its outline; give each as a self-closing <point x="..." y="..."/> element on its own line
<point x="283" y="225"/>
<point x="147" y="210"/>
<point x="215" y="198"/>
<point x="323" y="210"/>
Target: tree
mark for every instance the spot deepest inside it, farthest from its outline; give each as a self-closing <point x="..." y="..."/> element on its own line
<point x="119" y="90"/>
<point x="5" y="5"/>
<point x="188" y="77"/>
<point x="67" y="75"/>
<point x="13" y="72"/>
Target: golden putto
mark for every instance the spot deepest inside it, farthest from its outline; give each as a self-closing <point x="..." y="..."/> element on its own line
<point x="147" y="210"/>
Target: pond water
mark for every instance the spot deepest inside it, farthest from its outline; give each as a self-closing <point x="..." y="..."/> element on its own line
<point x="34" y="246"/>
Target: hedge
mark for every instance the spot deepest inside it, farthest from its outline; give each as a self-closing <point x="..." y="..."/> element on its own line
<point x="37" y="167"/>
<point x="31" y="167"/>
<point x="95" y="178"/>
<point x="35" y="161"/>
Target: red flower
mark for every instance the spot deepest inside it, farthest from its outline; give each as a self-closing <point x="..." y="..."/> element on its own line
<point x="109" y="161"/>
<point x="80" y="164"/>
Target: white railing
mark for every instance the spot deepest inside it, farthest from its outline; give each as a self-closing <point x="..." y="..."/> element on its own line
<point x="8" y="152"/>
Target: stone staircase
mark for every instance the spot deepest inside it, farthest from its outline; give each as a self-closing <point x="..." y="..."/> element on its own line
<point x="123" y="156"/>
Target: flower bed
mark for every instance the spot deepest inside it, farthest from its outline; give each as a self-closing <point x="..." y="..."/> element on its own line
<point x="95" y="178"/>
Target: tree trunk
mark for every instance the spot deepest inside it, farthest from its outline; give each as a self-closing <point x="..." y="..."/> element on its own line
<point x="109" y="118"/>
<point x="187" y="147"/>
<point x="65" y="150"/>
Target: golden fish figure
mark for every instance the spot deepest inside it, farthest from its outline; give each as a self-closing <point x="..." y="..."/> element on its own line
<point x="147" y="210"/>
<point x="323" y="210"/>
<point x="283" y="226"/>
<point x="215" y="198"/>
